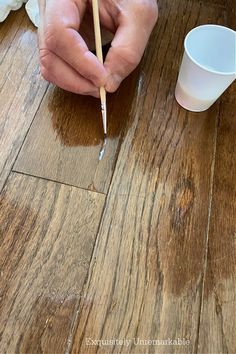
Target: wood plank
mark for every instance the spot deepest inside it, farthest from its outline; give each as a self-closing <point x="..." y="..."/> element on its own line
<point x="218" y="323"/>
<point x="64" y="142"/>
<point x="9" y="28"/>
<point x="145" y="278"/>
<point x="230" y="94"/>
<point x="47" y="234"/>
<point x="65" y="139"/>
<point x="213" y="2"/>
<point x="231" y="9"/>
<point x="21" y="88"/>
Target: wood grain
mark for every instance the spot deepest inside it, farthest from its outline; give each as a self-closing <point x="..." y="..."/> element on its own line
<point x="66" y="137"/>
<point x="47" y="233"/>
<point x="146" y="273"/>
<point x="218" y="323"/>
<point x="217" y="3"/>
<point x="9" y="29"/>
<point x="159" y="262"/>
<point x="230" y="94"/>
<point x="231" y="9"/>
<point x="21" y="88"/>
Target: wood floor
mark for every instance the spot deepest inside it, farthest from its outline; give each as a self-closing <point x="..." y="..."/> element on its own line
<point x="140" y="246"/>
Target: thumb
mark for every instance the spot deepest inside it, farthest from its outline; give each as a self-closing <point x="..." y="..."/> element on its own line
<point x="128" y="45"/>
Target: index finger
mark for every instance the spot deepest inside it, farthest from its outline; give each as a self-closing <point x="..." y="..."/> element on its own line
<point x="61" y="26"/>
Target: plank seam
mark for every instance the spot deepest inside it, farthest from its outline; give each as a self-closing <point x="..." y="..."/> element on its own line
<point x="75" y="320"/>
<point x="23" y="141"/>
<point x="57" y="182"/>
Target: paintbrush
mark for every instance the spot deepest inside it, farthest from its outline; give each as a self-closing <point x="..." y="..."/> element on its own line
<point x="98" y="43"/>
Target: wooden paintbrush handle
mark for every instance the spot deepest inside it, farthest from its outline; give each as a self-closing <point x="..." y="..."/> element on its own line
<point x="97" y="29"/>
<point x="98" y="42"/>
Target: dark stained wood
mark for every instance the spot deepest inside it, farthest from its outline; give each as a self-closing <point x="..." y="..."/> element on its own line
<point x="231" y="9"/>
<point x="47" y="233"/>
<point x="21" y="88"/>
<point x="163" y="264"/>
<point x="230" y="94"/>
<point x="65" y="139"/>
<point x="67" y="134"/>
<point x="146" y="273"/>
<point x="218" y="322"/>
<point x="212" y="2"/>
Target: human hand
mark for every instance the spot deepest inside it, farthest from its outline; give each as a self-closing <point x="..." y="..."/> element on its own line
<point x="65" y="57"/>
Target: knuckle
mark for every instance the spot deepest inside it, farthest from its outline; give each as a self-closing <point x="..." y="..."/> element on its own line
<point x="140" y="8"/>
<point x="154" y="12"/>
<point x="147" y="10"/>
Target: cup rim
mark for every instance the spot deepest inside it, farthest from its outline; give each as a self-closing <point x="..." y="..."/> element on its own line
<point x="196" y="62"/>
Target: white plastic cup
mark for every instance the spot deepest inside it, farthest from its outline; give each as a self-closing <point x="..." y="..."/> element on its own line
<point x="208" y="67"/>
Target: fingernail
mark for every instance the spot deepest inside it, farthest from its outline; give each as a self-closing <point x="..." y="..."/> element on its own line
<point x="117" y="78"/>
<point x="113" y="83"/>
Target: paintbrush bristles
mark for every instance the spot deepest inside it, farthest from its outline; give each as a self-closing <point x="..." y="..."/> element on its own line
<point x="104" y="108"/>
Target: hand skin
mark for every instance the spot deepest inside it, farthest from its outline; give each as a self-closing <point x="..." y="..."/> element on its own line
<point x="65" y="58"/>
